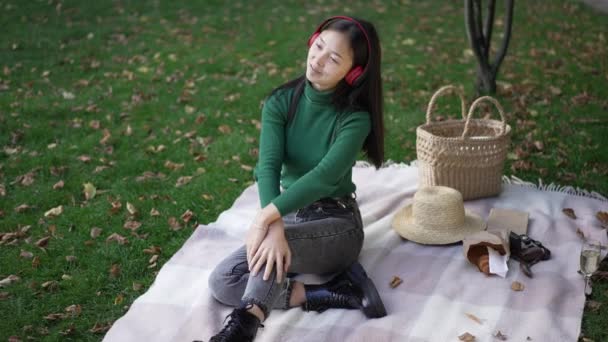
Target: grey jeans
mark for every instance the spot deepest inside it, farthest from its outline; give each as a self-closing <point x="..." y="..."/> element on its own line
<point x="324" y="237"/>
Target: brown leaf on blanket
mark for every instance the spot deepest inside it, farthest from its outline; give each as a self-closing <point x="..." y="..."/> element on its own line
<point x="580" y="233"/>
<point x="569" y="212"/>
<point x="396" y="281"/>
<point x="603" y="217"/>
<point x="500" y="336"/>
<point x="474" y="318"/>
<point x="517" y="286"/>
<point x="466" y="337"/>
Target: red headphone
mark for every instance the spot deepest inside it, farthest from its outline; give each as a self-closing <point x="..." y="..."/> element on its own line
<point x="354" y="73"/>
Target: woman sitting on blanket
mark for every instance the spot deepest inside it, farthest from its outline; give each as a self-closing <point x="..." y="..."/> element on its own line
<point x="313" y="128"/>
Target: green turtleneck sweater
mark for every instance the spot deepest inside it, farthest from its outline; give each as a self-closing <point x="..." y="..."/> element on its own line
<point x="301" y="155"/>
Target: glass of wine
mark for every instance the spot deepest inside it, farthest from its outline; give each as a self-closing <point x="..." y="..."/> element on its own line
<point x="590" y="260"/>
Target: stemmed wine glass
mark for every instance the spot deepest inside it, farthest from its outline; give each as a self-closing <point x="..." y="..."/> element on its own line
<point x="590" y="260"/>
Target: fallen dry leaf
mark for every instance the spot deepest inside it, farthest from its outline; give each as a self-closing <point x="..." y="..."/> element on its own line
<point x="466" y="337"/>
<point x="153" y="259"/>
<point x="4" y="295"/>
<point x="26" y="254"/>
<point x="115" y="206"/>
<point x="474" y="318"/>
<point x="74" y="309"/>
<point x="95" y="232"/>
<point x="396" y="281"/>
<point x="569" y="212"/>
<point x="22" y="207"/>
<point x="106" y="136"/>
<point x="70" y="258"/>
<point x="602" y="216"/>
<point x="54" y="212"/>
<point x="58" y="185"/>
<point x="42" y="243"/>
<point x="114" y="270"/>
<point x="100" y="328"/>
<point x="89" y="191"/>
<point x="187" y="216"/>
<point x="9" y="280"/>
<point x="183" y="181"/>
<point x="517" y="286"/>
<point x="132" y="225"/>
<point x="137" y="286"/>
<point x="51" y="285"/>
<point x="154" y="212"/>
<point x="2" y="190"/>
<point x="84" y="158"/>
<point x="118" y="238"/>
<point x="131" y="209"/>
<point x="225" y="129"/>
<point x="95" y="124"/>
<point x="152" y="250"/>
<point x="55" y="316"/>
<point x="36" y="262"/>
<point x="119" y="299"/>
<point x="174" y="223"/>
<point x="173" y="166"/>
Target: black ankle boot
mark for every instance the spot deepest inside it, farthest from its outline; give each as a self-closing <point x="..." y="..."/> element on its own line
<point x="242" y="326"/>
<point x="351" y="289"/>
<point x="338" y="293"/>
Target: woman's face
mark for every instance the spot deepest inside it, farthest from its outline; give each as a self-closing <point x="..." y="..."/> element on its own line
<point x="330" y="57"/>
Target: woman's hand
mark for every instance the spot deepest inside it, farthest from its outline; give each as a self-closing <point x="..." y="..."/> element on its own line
<point x="256" y="234"/>
<point x="274" y="250"/>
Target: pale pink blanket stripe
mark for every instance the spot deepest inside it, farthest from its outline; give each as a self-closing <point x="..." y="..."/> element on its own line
<point x="439" y="287"/>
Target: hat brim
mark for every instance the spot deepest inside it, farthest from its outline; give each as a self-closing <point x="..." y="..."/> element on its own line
<point x="403" y="224"/>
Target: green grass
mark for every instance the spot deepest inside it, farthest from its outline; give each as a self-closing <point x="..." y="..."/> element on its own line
<point x="175" y="71"/>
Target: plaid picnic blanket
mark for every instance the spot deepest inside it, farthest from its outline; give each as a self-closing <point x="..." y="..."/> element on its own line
<point x="442" y="296"/>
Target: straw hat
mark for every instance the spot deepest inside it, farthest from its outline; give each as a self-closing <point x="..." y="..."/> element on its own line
<point x="436" y="217"/>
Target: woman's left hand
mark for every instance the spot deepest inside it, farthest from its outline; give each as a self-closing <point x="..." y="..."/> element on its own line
<point x="274" y="250"/>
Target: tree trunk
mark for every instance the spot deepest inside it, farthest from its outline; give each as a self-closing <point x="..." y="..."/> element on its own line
<point x="480" y="38"/>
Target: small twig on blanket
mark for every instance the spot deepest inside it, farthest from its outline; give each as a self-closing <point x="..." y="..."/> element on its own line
<point x="474" y="318"/>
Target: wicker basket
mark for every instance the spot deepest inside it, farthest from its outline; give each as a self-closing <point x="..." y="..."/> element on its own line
<point x="468" y="154"/>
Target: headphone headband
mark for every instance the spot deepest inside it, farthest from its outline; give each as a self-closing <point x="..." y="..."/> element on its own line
<point x="354" y="74"/>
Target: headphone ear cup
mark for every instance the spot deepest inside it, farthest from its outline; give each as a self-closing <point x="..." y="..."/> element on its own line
<point x="313" y="38"/>
<point x="353" y="75"/>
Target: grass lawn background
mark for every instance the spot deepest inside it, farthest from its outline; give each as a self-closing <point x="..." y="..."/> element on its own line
<point x="156" y="104"/>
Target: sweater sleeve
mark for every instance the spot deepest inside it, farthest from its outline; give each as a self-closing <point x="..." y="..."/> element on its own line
<point x="272" y="149"/>
<point x="325" y="177"/>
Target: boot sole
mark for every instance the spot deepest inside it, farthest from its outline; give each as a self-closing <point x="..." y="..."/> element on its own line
<point x="373" y="307"/>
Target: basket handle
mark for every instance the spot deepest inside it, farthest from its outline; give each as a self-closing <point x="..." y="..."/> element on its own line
<point x="441" y="91"/>
<point x="474" y="106"/>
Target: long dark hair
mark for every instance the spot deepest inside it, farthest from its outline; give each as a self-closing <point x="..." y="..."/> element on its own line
<point x="366" y="92"/>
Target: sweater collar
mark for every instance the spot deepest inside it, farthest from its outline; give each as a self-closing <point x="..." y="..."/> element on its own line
<point x="317" y="96"/>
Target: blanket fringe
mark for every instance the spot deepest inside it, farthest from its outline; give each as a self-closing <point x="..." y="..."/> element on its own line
<point x="505" y="179"/>
<point x="570" y="190"/>
<point x="387" y="164"/>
